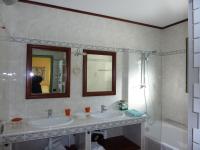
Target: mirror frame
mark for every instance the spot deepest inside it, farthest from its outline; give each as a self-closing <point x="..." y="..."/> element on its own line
<point x="99" y="93"/>
<point x="29" y="94"/>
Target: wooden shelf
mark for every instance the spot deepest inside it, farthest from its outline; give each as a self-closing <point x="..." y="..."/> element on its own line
<point x="119" y="143"/>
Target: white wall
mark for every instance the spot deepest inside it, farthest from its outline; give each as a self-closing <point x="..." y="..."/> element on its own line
<point x="23" y="20"/>
<point x="174" y="97"/>
<point x="4" y="104"/>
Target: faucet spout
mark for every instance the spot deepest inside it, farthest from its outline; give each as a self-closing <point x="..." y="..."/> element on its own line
<point x="103" y="108"/>
<point x="50" y="113"/>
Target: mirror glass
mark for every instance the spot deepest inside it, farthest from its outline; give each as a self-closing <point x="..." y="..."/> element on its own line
<point x="99" y="73"/>
<point x="48" y="71"/>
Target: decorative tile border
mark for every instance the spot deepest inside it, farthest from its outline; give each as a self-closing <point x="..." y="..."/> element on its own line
<point x="85" y="46"/>
<point x="175" y="52"/>
<point x="68" y="44"/>
<point x="68" y="130"/>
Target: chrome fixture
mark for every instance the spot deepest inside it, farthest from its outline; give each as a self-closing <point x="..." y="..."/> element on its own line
<point x="50" y="113"/>
<point x="147" y="54"/>
<point x="103" y="108"/>
<point x="1" y="127"/>
<point x="144" y="59"/>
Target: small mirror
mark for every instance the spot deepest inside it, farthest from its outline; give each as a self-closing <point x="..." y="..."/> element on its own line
<point x="48" y="71"/>
<point x="99" y="73"/>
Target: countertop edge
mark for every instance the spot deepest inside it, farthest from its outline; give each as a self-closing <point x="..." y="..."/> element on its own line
<point x="56" y="132"/>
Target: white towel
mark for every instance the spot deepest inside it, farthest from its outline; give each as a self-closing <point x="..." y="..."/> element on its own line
<point x="96" y="146"/>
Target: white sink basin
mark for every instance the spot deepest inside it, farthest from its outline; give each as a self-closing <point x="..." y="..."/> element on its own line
<point x="108" y="114"/>
<point x="51" y="122"/>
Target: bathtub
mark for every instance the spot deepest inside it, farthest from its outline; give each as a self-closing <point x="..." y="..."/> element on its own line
<point x="172" y="136"/>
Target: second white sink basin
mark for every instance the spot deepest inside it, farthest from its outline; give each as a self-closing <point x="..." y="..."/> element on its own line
<point x="51" y="122"/>
<point x="108" y="114"/>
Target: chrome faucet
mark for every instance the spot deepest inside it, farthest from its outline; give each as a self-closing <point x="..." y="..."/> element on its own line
<point x="103" y="108"/>
<point x="50" y="113"/>
<point x="1" y="127"/>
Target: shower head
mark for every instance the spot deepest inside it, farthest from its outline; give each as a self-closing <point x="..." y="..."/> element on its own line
<point x="151" y="53"/>
<point x="146" y="54"/>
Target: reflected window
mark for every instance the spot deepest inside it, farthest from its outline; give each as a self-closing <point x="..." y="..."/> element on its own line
<point x="99" y="73"/>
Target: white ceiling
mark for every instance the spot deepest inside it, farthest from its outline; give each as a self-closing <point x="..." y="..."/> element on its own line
<point x="155" y="12"/>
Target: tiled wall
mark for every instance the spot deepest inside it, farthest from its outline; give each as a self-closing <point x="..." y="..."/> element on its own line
<point x="173" y="48"/>
<point x="194" y="131"/>
<point x="24" y="20"/>
<point x="150" y="96"/>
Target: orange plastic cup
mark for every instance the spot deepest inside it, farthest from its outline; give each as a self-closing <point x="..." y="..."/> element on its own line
<point x="87" y="109"/>
<point x="67" y="112"/>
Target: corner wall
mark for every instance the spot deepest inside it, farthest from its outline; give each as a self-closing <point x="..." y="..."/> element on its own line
<point x="173" y="52"/>
<point x="194" y="78"/>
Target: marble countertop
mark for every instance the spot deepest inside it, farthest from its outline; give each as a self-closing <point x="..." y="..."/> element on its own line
<point x="26" y="132"/>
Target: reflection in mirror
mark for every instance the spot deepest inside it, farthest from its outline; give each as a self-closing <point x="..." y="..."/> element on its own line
<point x="48" y="71"/>
<point x="99" y="71"/>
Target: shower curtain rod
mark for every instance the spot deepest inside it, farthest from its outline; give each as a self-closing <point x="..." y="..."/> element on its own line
<point x="72" y="45"/>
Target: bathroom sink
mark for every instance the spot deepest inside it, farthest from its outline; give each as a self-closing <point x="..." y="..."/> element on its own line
<point x="108" y="114"/>
<point x="51" y="122"/>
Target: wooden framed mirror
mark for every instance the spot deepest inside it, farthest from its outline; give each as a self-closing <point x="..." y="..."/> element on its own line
<point x="99" y="73"/>
<point x="47" y="72"/>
